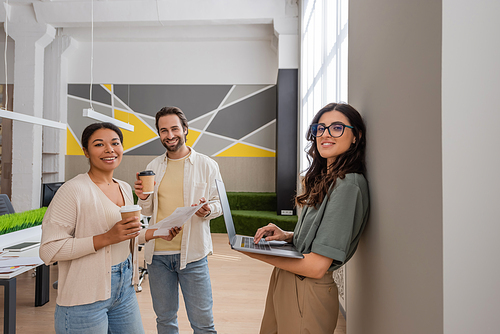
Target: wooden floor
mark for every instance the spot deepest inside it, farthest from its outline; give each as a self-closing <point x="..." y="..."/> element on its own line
<point x="239" y="286"/>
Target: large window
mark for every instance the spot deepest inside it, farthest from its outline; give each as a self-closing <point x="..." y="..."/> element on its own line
<point x="323" y="60"/>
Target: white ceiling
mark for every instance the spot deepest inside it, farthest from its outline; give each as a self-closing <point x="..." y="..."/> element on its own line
<point x="158" y="20"/>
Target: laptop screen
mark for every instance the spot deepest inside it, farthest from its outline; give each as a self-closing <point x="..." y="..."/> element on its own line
<point x="228" y="219"/>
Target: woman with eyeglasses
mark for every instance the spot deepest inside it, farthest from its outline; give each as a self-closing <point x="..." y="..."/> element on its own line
<point x="303" y="296"/>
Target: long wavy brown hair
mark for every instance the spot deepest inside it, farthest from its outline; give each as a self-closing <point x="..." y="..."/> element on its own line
<point x="320" y="177"/>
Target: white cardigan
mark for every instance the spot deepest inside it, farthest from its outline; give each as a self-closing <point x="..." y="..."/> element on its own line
<point x="74" y="216"/>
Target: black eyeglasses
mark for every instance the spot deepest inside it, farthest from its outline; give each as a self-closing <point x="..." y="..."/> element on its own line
<point x="335" y="130"/>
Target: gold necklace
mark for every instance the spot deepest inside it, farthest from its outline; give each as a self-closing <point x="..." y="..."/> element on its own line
<point x="90" y="173"/>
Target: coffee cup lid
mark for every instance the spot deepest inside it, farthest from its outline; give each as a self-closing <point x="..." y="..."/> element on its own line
<point x="146" y="172"/>
<point x="130" y="208"/>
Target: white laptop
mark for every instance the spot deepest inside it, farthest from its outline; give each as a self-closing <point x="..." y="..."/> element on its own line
<point x="246" y="244"/>
<point x="21" y="247"/>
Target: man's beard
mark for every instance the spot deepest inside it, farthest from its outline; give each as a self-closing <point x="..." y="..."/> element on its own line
<point x="175" y="148"/>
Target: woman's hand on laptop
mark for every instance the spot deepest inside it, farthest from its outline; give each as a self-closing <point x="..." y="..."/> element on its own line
<point x="271" y="232"/>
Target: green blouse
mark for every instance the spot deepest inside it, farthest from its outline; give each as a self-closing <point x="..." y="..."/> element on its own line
<point x="333" y="230"/>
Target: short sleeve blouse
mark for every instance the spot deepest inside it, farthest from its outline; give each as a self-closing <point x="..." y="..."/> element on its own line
<point x="333" y="230"/>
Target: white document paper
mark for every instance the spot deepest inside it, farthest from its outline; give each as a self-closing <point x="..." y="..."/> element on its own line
<point x="7" y="261"/>
<point x="176" y="219"/>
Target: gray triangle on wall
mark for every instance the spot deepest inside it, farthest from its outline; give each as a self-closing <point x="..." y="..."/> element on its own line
<point x="240" y="91"/>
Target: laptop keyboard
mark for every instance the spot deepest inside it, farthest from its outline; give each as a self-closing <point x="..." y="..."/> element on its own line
<point x="247" y="242"/>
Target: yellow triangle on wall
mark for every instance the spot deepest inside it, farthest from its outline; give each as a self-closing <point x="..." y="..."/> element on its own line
<point x="141" y="131"/>
<point x="243" y="150"/>
<point x="108" y="87"/>
<point x="191" y="137"/>
<point x="72" y="146"/>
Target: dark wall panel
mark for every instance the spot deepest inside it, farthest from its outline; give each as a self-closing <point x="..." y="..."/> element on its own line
<point x="286" y="139"/>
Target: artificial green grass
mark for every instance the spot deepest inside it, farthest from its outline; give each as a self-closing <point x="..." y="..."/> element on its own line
<point x="252" y="201"/>
<point x="250" y="211"/>
<point x="247" y="201"/>
<point x="247" y="222"/>
<point x="19" y="221"/>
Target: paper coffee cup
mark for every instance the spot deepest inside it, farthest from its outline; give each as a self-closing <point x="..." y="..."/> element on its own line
<point x="131" y="211"/>
<point x="148" y="181"/>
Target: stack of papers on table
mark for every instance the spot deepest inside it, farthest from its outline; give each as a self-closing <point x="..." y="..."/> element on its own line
<point x="9" y="264"/>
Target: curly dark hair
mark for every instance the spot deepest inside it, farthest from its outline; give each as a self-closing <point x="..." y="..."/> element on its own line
<point x="320" y="177"/>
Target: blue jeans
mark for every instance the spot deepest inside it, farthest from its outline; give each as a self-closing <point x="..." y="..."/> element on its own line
<point x="164" y="279"/>
<point x="118" y="314"/>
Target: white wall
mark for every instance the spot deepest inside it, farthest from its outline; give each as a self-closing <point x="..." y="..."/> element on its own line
<point x="471" y="166"/>
<point x="426" y="76"/>
<point x="215" y="62"/>
<point x="395" y="280"/>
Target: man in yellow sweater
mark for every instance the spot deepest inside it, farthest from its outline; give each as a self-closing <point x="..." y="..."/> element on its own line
<point x="183" y="177"/>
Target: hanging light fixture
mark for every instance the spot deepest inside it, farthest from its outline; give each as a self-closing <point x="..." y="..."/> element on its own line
<point x="90" y="112"/>
<point x="4" y="112"/>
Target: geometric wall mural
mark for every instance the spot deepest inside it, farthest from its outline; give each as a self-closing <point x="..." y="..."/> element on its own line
<point x="224" y="120"/>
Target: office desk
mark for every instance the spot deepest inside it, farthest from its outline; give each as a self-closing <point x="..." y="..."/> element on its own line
<point x="9" y="282"/>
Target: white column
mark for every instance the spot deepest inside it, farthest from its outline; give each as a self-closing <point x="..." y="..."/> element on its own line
<point x="55" y="108"/>
<point x="286" y="31"/>
<point x="30" y="38"/>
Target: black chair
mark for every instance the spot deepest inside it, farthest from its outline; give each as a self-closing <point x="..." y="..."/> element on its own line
<point x="143" y="270"/>
<point x="5" y="205"/>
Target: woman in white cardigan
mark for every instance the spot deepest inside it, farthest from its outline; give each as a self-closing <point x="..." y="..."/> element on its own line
<point x="95" y="248"/>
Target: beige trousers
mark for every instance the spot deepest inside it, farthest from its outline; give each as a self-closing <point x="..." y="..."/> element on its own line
<point x="295" y="306"/>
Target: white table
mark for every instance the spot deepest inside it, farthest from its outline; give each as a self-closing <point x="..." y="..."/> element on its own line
<point x="32" y="252"/>
<point x="9" y="282"/>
